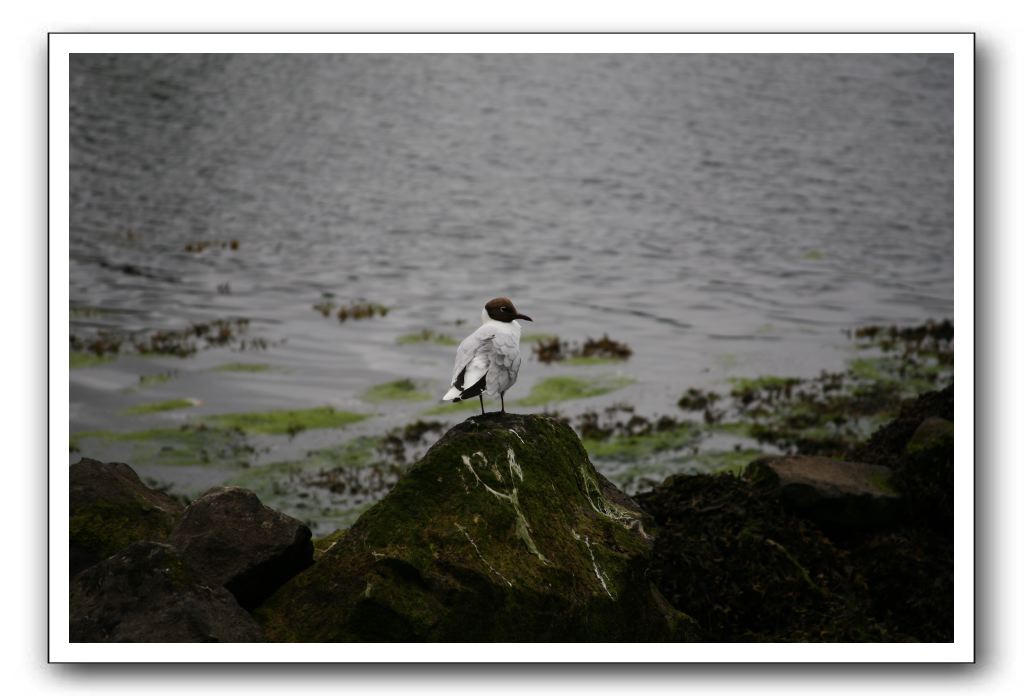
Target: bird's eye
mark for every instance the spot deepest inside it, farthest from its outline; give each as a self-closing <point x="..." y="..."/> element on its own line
<point x="505" y="309"/>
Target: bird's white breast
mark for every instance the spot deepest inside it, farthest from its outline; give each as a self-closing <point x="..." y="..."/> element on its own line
<point x="505" y="358"/>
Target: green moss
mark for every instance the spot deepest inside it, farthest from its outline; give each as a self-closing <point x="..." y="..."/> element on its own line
<point x="159" y="407"/>
<point x="103" y="528"/>
<point x="883" y="481"/>
<point x="242" y="367"/>
<point x="555" y="389"/>
<point x="398" y="390"/>
<point x="813" y="255"/>
<point x="630" y="447"/>
<point x="80" y="359"/>
<point x="285" y="422"/>
<point x="427" y="336"/>
<point x="503" y="518"/>
<point x="324" y="544"/>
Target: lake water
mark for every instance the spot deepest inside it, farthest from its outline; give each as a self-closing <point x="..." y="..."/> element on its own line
<point x="724" y="215"/>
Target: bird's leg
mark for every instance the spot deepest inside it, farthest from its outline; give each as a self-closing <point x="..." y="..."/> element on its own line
<point x="482" y="412"/>
<point x="502" y="402"/>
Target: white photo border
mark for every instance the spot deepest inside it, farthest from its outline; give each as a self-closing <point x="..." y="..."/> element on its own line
<point x="961" y="45"/>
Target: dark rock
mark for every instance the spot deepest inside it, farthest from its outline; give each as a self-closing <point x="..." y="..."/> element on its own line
<point x="232" y="539"/>
<point x="834" y="493"/>
<point x="503" y="531"/>
<point x="919" y="447"/>
<point x="932" y="433"/>
<point x="909" y="573"/>
<point x="887" y="446"/>
<point x="730" y="555"/>
<point x="148" y="593"/>
<point x="111" y="508"/>
<point x="926" y="473"/>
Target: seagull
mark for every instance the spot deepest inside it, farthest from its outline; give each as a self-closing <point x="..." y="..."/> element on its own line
<point x="487" y="361"/>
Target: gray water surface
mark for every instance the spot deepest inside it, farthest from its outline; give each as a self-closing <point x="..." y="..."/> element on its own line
<point x="724" y="215"/>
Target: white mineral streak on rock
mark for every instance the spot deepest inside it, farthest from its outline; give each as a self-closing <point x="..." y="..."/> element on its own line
<point x="522" y="527"/>
<point x="601" y="578"/>
<point x="513" y="465"/>
<point x="494" y="570"/>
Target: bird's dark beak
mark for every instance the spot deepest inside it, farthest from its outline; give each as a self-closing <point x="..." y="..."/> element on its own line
<point x="522" y="316"/>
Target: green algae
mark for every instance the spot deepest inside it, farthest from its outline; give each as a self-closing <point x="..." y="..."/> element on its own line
<point x="768" y="383"/>
<point x="833" y="411"/>
<point x="738" y="428"/>
<point x="328" y="488"/>
<point x="398" y="390"/>
<point x="723" y="461"/>
<point x="242" y="367"/>
<point x="555" y="389"/>
<point x="427" y="336"/>
<point x="285" y="422"/>
<point x="278" y="479"/>
<point x="813" y="255"/>
<point x="159" y="407"/>
<point x="639" y="446"/>
<point x="158" y="378"/>
<point x="189" y="445"/>
<point x="80" y="359"/>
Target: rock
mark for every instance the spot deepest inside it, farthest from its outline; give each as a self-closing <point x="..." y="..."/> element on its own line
<point x="932" y="433"/>
<point x="887" y="446"/>
<point x="925" y="474"/>
<point x="148" y="593"/>
<point x="110" y="509"/>
<point x="232" y="539"/>
<point x="847" y="495"/>
<point x="730" y="555"/>
<point x="503" y="531"/>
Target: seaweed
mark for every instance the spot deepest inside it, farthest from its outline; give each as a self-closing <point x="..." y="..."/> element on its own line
<point x="181" y="343"/>
<point x="592" y="351"/>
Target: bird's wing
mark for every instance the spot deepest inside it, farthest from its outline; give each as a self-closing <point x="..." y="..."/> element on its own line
<point x="473" y="356"/>
<point x="505" y="361"/>
<point x="506" y="349"/>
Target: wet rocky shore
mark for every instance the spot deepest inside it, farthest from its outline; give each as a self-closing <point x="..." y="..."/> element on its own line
<point x="504" y="531"/>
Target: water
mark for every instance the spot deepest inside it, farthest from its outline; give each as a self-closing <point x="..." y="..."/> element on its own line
<point x="724" y="215"/>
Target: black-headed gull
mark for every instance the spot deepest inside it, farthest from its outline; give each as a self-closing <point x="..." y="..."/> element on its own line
<point x="487" y="361"/>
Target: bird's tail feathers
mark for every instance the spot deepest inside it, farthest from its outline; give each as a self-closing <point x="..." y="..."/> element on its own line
<point x="454" y="394"/>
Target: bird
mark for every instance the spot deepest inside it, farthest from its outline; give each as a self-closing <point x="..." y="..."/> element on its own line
<point x="487" y="361"/>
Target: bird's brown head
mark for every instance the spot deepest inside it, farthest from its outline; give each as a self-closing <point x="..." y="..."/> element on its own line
<point x="502" y="309"/>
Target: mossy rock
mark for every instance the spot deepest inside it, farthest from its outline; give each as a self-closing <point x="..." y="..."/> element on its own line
<point x="149" y="593"/>
<point x="110" y="508"/>
<point x="836" y="494"/>
<point x="503" y="531"/>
